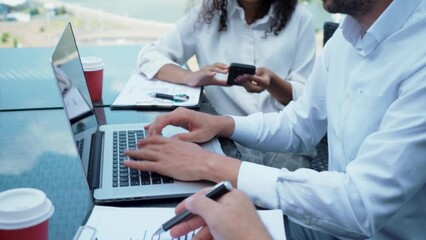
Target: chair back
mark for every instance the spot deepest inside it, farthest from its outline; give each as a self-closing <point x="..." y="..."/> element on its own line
<point x="329" y="29"/>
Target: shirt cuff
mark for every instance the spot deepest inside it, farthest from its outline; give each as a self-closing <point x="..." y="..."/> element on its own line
<point x="150" y="68"/>
<point x="297" y="88"/>
<point x="259" y="183"/>
<point x="240" y="134"/>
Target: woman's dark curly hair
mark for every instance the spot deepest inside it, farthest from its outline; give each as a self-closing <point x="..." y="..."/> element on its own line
<point x="282" y="13"/>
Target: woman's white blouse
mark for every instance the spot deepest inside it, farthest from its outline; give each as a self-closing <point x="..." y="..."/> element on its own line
<point x="291" y="54"/>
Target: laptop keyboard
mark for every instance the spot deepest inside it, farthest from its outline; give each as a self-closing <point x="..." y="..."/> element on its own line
<point x="80" y="144"/>
<point x="124" y="176"/>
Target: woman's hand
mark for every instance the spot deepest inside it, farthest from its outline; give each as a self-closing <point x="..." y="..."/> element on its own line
<point x="206" y="75"/>
<point x="256" y="83"/>
<point x="265" y="79"/>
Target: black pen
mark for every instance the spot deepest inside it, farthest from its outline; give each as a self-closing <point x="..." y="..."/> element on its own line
<point x="176" y="98"/>
<point x="216" y="192"/>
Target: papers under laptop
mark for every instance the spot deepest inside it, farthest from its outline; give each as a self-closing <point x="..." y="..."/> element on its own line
<point x="101" y="147"/>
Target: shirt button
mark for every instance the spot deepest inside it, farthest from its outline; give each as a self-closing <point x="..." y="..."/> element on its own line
<point x="361" y="52"/>
<point x="339" y="138"/>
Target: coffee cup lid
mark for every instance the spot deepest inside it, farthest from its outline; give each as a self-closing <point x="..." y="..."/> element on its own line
<point x="23" y="207"/>
<point x="92" y="63"/>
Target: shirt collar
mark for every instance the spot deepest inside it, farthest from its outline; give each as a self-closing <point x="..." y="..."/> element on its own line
<point x="232" y="8"/>
<point x="235" y="8"/>
<point x="392" y="19"/>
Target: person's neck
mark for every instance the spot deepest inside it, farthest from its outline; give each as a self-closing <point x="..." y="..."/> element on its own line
<point x="250" y="9"/>
<point x="368" y="19"/>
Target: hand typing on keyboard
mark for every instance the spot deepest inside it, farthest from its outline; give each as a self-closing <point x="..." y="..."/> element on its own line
<point x="123" y="176"/>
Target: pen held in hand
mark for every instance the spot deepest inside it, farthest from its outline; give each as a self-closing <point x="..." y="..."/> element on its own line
<point x="175" y="98"/>
<point x="215" y="193"/>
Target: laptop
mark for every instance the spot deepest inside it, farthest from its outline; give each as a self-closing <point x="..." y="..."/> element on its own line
<point x="100" y="147"/>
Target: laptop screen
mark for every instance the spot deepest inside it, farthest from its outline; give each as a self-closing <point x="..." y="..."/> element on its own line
<point x="68" y="70"/>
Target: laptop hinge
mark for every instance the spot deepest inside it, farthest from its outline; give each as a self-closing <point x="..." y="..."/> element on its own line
<point x="95" y="160"/>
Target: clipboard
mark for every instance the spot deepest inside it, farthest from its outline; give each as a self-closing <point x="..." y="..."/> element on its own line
<point x="85" y="233"/>
<point x="138" y="94"/>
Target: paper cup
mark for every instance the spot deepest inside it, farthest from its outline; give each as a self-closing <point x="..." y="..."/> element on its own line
<point x="24" y="214"/>
<point x="93" y="72"/>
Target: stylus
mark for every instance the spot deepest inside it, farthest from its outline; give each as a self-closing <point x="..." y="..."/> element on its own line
<point x="176" y="98"/>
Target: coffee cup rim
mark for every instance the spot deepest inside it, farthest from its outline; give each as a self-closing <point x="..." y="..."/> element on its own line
<point x="92" y="63"/>
<point x="32" y="208"/>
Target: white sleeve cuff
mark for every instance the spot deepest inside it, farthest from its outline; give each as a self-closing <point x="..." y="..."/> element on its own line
<point x="152" y="68"/>
<point x="240" y="134"/>
<point x="259" y="183"/>
<point x="297" y="87"/>
<point x="150" y="61"/>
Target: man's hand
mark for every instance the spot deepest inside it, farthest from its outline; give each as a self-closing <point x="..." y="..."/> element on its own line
<point x="182" y="160"/>
<point x="171" y="157"/>
<point x="233" y="216"/>
<point x="201" y="126"/>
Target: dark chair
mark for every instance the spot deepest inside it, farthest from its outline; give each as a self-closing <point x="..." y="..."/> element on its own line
<point x="328" y="30"/>
<point x="320" y="162"/>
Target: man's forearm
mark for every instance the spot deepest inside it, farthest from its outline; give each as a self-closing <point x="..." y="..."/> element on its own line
<point x="226" y="126"/>
<point x="221" y="168"/>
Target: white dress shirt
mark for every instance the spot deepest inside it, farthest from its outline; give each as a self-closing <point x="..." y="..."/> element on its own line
<point x="291" y="54"/>
<point x="369" y="94"/>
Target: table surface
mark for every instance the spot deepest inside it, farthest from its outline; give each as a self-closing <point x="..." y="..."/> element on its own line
<point x="37" y="148"/>
<point x="27" y="80"/>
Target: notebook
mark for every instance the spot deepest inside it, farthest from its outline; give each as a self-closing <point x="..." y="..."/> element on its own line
<point x="109" y="180"/>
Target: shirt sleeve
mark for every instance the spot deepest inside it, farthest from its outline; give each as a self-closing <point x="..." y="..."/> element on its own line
<point x="175" y="47"/>
<point x="259" y="182"/>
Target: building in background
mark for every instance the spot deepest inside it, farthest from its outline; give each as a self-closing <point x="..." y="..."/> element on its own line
<point x="14" y="10"/>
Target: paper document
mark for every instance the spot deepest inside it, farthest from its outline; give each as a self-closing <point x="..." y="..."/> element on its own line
<point x="137" y="94"/>
<point x="141" y="223"/>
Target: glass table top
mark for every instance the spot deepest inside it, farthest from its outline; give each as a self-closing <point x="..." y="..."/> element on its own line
<point x="27" y="80"/>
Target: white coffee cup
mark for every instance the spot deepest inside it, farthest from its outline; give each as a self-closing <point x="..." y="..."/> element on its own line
<point x="93" y="72"/>
<point x="24" y="214"/>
